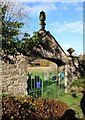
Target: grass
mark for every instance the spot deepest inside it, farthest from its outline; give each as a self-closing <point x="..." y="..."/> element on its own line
<point x="50" y="91"/>
<point x="79" y="83"/>
<point x="73" y="98"/>
<point x="73" y="103"/>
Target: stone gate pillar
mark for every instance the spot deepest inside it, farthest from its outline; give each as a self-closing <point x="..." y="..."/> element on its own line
<point x="66" y="67"/>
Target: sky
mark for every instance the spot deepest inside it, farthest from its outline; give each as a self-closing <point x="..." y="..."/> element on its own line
<point x="64" y="20"/>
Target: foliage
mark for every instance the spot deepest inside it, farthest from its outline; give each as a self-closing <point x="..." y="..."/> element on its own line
<point x="28" y="108"/>
<point x="49" y="109"/>
<point x="10" y="29"/>
<point x="27" y="44"/>
<point x="12" y="42"/>
<point x="18" y="108"/>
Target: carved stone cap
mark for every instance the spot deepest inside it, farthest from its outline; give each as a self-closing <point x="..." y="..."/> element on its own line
<point x="42" y="16"/>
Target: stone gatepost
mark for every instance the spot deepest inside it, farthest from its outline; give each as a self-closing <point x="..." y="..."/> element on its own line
<point x="66" y="68"/>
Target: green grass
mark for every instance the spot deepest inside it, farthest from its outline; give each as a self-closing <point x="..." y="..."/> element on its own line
<point x="50" y="91"/>
<point x="73" y="98"/>
<point x="79" y="83"/>
<point x="73" y="103"/>
<point x="53" y="90"/>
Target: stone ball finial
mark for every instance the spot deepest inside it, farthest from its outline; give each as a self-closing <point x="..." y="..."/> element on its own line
<point x="70" y="51"/>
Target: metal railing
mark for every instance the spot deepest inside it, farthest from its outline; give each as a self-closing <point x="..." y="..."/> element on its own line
<point x="46" y="85"/>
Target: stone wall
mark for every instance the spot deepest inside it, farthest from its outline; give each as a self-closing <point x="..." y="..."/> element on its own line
<point x="49" y="48"/>
<point x="14" y="72"/>
<point x="14" y="76"/>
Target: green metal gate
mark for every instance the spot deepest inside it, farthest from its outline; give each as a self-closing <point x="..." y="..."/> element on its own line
<point x="44" y="85"/>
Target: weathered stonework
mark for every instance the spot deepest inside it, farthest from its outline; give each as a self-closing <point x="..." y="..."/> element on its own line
<point x="14" y="76"/>
<point x="49" y="48"/>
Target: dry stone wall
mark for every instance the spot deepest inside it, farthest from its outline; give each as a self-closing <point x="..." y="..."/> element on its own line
<point x="14" y="76"/>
